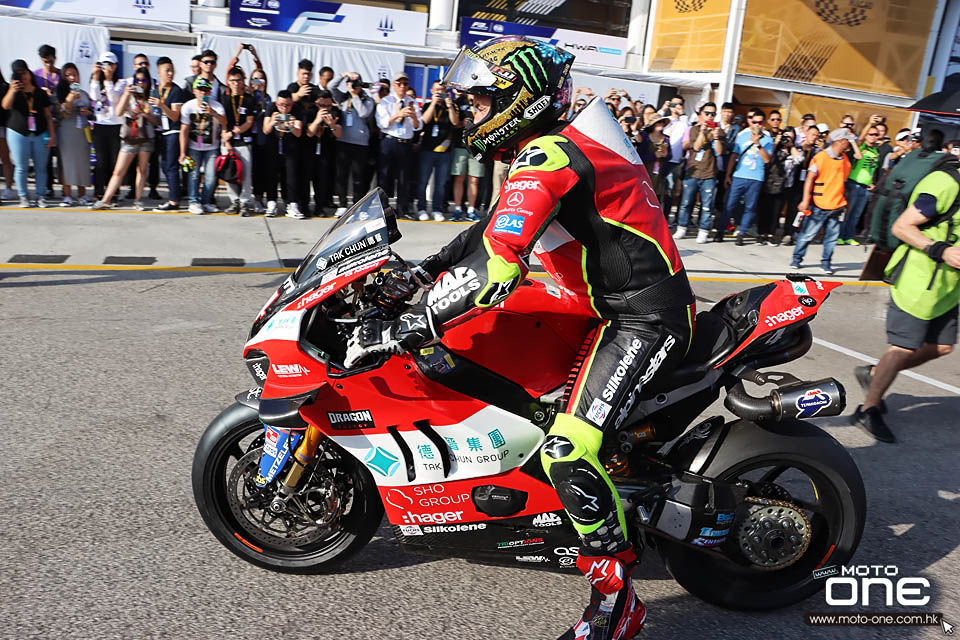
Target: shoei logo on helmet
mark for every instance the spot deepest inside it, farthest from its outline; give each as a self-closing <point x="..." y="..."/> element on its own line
<point x="536" y="108"/>
<point x="812" y="402"/>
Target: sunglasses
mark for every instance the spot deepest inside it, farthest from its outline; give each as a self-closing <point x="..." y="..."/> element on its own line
<point x="756" y="122"/>
<point x="776" y="119"/>
<point x="709" y="113"/>
<point x="676" y="104"/>
<point x="401" y="83"/>
<point x="848" y="125"/>
<point x="617" y="98"/>
<point x="208" y="62"/>
<point x="140" y="81"/>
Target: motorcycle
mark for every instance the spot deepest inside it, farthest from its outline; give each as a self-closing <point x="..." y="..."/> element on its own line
<point x="296" y="475"/>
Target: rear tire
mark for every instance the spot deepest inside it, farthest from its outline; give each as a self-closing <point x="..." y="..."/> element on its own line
<point x="839" y="488"/>
<point x="221" y="448"/>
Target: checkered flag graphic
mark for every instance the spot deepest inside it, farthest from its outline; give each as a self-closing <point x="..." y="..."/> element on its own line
<point x="829" y="12"/>
<point x="689" y="6"/>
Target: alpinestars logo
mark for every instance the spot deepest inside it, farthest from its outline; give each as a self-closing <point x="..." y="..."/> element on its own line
<point x="614" y="382"/>
<point x="547" y="520"/>
<point x="529" y="157"/>
<point x="652" y="368"/>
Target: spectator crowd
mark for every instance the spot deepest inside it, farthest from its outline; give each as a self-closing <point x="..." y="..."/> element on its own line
<point x="301" y="150"/>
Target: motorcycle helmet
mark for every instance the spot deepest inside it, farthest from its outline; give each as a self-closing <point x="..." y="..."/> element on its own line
<point x="529" y="85"/>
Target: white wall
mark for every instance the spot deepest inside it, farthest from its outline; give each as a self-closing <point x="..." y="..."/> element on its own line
<point x="179" y="53"/>
<point x="76" y="43"/>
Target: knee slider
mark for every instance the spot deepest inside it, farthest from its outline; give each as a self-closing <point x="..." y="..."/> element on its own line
<point x="584" y="494"/>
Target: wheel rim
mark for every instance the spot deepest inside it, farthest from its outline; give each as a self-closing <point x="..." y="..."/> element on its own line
<point x="327" y="494"/>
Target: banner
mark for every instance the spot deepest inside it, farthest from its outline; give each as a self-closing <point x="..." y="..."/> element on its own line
<point x="876" y="45"/>
<point x="688" y="35"/>
<point x="76" y="43"/>
<point x="832" y="110"/>
<point x="147" y="10"/>
<point x="589" y="48"/>
<point x="331" y="19"/>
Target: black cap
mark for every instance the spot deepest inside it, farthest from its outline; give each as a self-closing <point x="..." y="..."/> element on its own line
<point x="18" y="66"/>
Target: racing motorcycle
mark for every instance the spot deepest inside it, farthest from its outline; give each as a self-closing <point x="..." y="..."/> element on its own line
<point x="295" y="476"/>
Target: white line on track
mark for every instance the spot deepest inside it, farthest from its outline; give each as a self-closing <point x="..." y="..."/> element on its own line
<point x="865" y="358"/>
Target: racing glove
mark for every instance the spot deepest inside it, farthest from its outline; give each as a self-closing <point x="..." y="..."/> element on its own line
<point x="412" y="329"/>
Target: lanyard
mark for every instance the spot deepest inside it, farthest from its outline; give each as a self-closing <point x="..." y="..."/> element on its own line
<point x="29" y="98"/>
<point x="164" y="93"/>
<point x="236" y="113"/>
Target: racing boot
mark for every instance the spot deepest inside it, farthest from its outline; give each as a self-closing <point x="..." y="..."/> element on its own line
<point x="615" y="612"/>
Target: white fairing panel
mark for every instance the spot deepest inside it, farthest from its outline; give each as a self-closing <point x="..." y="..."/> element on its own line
<point x="285" y="325"/>
<point x="489" y="442"/>
<point x="597" y="123"/>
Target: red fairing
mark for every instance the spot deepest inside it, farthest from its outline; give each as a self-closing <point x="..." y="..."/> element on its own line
<point x="312" y="298"/>
<point x="788" y="304"/>
<point x="451" y="501"/>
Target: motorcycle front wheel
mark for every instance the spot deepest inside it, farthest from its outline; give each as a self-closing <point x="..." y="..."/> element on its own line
<point x="334" y="512"/>
<point x="816" y="475"/>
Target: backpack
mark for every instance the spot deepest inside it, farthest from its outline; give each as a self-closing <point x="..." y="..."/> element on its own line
<point x="895" y="190"/>
<point x="230" y="167"/>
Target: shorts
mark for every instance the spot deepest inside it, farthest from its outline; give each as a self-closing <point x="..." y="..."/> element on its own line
<point x="910" y="332"/>
<point x="464" y="163"/>
<point x="143" y="147"/>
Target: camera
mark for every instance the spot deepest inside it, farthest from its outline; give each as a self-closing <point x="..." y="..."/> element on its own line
<point x="283" y="117"/>
<point x="711" y="124"/>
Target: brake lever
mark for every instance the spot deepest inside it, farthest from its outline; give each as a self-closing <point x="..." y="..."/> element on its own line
<point x="412" y="270"/>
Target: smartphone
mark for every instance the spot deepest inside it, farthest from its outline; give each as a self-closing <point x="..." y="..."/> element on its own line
<point x="711" y="124"/>
<point x="74" y="86"/>
<point x="138" y="89"/>
<point x="247" y="47"/>
<point x="630" y="119"/>
<point x="205" y="99"/>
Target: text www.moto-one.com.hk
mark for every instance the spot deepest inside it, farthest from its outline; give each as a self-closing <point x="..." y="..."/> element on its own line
<point x="873" y="619"/>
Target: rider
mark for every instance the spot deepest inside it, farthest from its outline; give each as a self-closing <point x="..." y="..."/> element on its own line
<point x="579" y="192"/>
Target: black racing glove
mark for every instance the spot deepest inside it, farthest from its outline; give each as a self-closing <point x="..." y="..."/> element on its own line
<point x="412" y="329"/>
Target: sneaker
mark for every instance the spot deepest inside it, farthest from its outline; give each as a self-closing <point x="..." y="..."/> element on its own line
<point x="100" y="205"/>
<point x="257" y="207"/>
<point x="42" y="203"/>
<point x="739" y="241"/>
<point x="25" y="203"/>
<point x="8" y="194"/>
<point x="795" y="264"/>
<point x="718" y="237"/>
<point x="422" y="215"/>
<point x="438" y="216"/>
<point x="472" y="214"/>
<point x="167" y="206"/>
<point x="787" y="241"/>
<point x="872" y="422"/>
<point x="154" y="195"/>
<point x="680" y="233"/>
<point x="271" y="209"/>
<point x="234" y="208"/>
<point x="852" y="243"/>
<point x="827" y="269"/>
<point x="196" y="209"/>
<point x="457" y="214"/>
<point x="703" y="236"/>
<point x="864" y="376"/>
<point x="841" y="242"/>
<point x="47" y="194"/>
<point x="612" y="613"/>
<point x="210" y="208"/>
<point x="66" y="202"/>
<point x="762" y="241"/>
<point x="246" y="210"/>
<point x="84" y="201"/>
<point x="138" y="205"/>
<point x="293" y="211"/>
<point x="339" y="212"/>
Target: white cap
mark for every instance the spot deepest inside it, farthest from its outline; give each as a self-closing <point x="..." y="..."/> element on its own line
<point x="108" y="56"/>
<point x="823" y="127"/>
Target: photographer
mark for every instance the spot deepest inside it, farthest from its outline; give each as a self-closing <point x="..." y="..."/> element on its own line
<point x="235" y="60"/>
<point x="73" y="133"/>
<point x="398" y="117"/>
<point x="860" y="183"/>
<point x="326" y="129"/>
<point x="303" y="90"/>
<point x="201" y="120"/>
<point x="105" y="91"/>
<point x="264" y="156"/>
<point x="30" y="131"/>
<point x="654" y="150"/>
<point x="353" y="146"/>
<point x="166" y="101"/>
<point x="779" y="186"/>
<point x="745" y="173"/>
<point x="136" y="134"/>
<point x="285" y="128"/>
<point x="704" y="143"/>
<point x="440" y="121"/>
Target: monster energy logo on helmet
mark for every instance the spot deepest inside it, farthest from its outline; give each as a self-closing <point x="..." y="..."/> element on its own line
<point x="527" y="64"/>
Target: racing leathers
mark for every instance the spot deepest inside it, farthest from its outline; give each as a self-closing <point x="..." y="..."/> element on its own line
<point x="580" y="198"/>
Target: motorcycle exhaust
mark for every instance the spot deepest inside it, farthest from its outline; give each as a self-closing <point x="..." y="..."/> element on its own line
<point x="801" y="400"/>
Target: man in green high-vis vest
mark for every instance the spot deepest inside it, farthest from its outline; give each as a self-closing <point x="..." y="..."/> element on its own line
<point x="922" y="315"/>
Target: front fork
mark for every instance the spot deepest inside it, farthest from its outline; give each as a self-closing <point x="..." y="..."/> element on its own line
<point x="277" y="451"/>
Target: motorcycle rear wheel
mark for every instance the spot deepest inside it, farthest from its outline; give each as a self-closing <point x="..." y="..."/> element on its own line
<point x="837" y="516"/>
<point x="232" y="436"/>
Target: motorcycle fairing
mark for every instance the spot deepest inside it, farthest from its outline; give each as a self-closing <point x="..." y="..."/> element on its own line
<point x="787" y="304"/>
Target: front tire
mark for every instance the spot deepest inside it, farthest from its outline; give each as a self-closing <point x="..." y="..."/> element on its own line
<point x="837" y="517"/>
<point x="234" y="438"/>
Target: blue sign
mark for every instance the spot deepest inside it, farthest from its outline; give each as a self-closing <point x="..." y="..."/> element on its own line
<point x="509" y="223"/>
<point x="336" y="19"/>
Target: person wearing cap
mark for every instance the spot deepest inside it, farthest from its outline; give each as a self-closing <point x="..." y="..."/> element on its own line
<point x="653" y="146"/>
<point x="399" y="119"/>
<point x="105" y="90"/>
<point x="860" y="184"/>
<point x="704" y="144"/>
<point x="823" y="196"/>
<point x="30" y="131"/>
<point x="353" y="147"/>
<point x="201" y="121"/>
<point x="746" y="171"/>
<point x="906" y="142"/>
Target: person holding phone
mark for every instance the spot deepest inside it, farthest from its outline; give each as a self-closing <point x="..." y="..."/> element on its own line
<point x="745" y="173"/>
<point x="235" y="60"/>
<point x="30" y="131"/>
<point x="284" y="125"/>
<point x="353" y="146"/>
<point x="704" y="143"/>
<point x="399" y="119"/>
<point x="166" y="101"/>
<point x="440" y="121"/>
<point x="264" y="160"/>
<point x="136" y="135"/>
<point x="73" y="134"/>
<point x="105" y="90"/>
<point x="201" y="120"/>
<point x="237" y="136"/>
<point x="325" y="128"/>
<point x="8" y="193"/>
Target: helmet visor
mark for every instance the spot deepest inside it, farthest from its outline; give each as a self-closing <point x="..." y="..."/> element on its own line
<point x="469" y="72"/>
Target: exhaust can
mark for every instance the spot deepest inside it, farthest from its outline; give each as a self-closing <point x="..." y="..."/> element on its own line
<point x="817" y="399"/>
